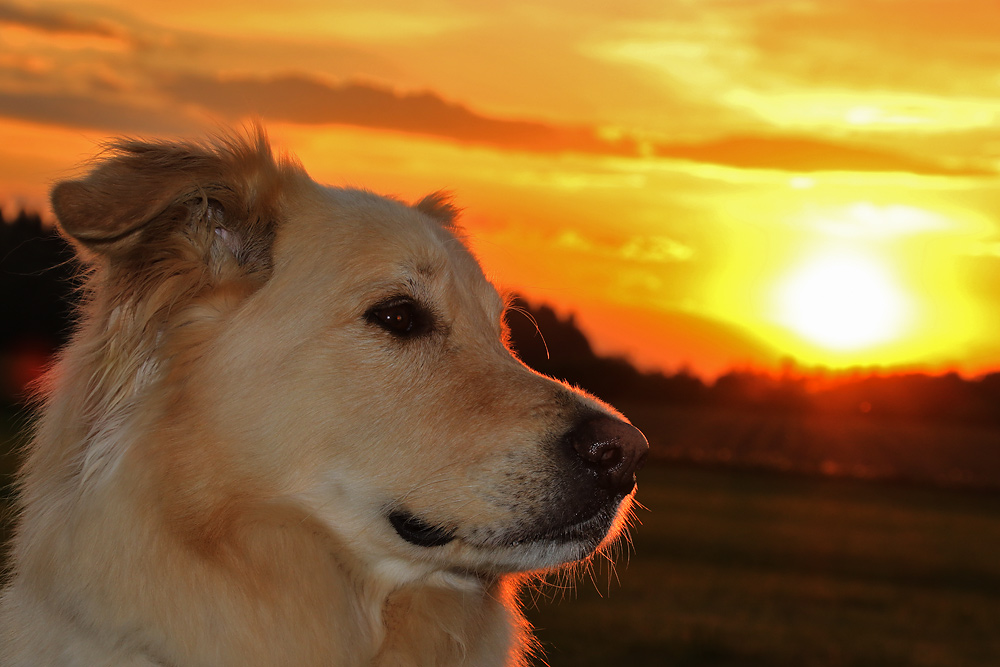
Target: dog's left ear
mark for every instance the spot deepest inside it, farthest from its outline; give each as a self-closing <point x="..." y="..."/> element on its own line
<point x="440" y="205"/>
<point x="150" y="199"/>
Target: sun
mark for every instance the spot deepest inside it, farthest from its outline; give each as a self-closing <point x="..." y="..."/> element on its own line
<point x="842" y="301"/>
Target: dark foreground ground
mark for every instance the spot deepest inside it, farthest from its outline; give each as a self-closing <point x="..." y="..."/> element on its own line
<point x="741" y="567"/>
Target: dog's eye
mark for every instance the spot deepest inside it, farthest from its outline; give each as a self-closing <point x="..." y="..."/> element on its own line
<point x="403" y="318"/>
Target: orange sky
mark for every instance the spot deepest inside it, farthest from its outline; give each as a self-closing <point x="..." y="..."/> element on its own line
<point x="706" y="183"/>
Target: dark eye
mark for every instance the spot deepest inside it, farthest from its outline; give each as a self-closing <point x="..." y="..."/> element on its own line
<point x="403" y="318"/>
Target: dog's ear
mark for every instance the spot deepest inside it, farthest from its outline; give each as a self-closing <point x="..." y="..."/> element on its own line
<point x="440" y="205"/>
<point x="143" y="197"/>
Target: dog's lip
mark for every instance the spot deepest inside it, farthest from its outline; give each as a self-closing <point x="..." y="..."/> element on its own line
<point x="416" y="531"/>
<point x="583" y="531"/>
<point x="589" y="529"/>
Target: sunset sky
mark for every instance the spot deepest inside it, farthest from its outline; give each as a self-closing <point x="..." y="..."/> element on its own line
<point x="705" y="183"/>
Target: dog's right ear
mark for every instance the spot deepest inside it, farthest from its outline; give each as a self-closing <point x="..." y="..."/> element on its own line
<point x="145" y="196"/>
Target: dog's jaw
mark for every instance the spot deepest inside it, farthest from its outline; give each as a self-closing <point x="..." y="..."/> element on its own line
<point x="404" y="548"/>
<point x="508" y="549"/>
<point x="523" y="550"/>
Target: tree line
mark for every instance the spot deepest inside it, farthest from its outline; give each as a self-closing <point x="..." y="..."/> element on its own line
<point x="37" y="272"/>
<point x="37" y="281"/>
<point x="557" y="347"/>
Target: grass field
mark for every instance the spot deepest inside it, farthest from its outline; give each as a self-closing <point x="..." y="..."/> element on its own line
<point x="747" y="568"/>
<point x="736" y="567"/>
<point x="859" y="446"/>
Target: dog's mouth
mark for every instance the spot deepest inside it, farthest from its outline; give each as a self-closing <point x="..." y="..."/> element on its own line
<point x="587" y="528"/>
<point x="416" y="531"/>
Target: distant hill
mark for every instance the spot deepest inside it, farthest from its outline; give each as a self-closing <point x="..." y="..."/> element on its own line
<point x="556" y="346"/>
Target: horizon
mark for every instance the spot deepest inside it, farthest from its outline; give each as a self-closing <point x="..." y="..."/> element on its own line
<point x="689" y="179"/>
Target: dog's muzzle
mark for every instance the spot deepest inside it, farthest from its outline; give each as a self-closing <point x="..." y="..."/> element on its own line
<point x="599" y="455"/>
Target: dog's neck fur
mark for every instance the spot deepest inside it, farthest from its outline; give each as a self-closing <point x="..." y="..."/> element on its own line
<point x="252" y="603"/>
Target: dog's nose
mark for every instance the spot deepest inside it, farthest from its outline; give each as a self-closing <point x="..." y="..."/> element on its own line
<point x="611" y="448"/>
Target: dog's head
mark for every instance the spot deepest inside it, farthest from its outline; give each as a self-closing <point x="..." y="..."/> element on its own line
<point x="336" y="351"/>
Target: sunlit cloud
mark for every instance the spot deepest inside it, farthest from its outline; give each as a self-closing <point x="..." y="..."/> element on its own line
<point x="878" y="111"/>
<point x="363" y="26"/>
<point x="657" y="250"/>
<point x="898" y="46"/>
<point x="824" y="66"/>
<point x="865" y="220"/>
<point x="985" y="249"/>
<point x="647" y="250"/>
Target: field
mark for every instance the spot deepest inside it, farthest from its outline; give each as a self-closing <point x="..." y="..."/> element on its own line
<point x="738" y="566"/>
<point x="939" y="453"/>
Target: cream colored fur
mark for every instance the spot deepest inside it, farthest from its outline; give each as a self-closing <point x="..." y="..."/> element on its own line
<point x="222" y="439"/>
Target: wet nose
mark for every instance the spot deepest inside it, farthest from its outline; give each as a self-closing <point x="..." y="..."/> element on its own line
<point x="611" y="448"/>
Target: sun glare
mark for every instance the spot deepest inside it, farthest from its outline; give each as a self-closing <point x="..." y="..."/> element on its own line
<point x="842" y="301"/>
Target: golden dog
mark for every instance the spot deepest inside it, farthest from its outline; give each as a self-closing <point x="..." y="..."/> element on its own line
<point x="288" y="431"/>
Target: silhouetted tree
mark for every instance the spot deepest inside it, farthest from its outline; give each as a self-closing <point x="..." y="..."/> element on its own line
<point x="36" y="280"/>
<point x="556" y="346"/>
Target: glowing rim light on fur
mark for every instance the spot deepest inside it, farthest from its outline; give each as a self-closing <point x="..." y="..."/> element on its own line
<point x="842" y="301"/>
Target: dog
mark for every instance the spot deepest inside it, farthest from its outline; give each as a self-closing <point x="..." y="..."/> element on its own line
<point x="289" y="430"/>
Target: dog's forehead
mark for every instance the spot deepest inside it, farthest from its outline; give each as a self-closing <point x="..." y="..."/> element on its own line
<point x="382" y="241"/>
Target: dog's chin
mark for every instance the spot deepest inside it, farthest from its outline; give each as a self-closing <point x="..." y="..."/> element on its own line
<point x="517" y="548"/>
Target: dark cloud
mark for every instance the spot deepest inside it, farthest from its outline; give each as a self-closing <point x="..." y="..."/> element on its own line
<point x="300" y="99"/>
<point x="304" y="100"/>
<point x="804" y="154"/>
<point x="49" y="20"/>
<point x="79" y="111"/>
